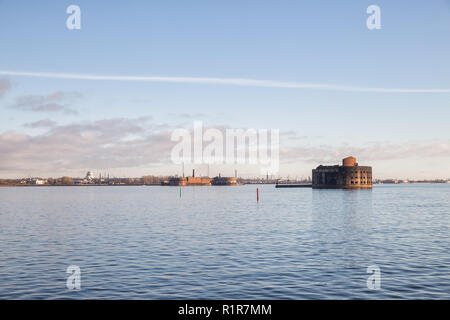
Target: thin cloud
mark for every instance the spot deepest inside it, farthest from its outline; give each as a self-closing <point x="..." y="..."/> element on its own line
<point x="5" y="85"/>
<point x="140" y="143"/>
<point x="45" y="123"/>
<point x="55" y="102"/>
<point x="112" y="143"/>
<point x="370" y="152"/>
<point x="223" y="81"/>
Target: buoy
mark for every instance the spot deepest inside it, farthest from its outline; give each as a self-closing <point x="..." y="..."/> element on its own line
<point x="257" y="194"/>
<point x="180" y="192"/>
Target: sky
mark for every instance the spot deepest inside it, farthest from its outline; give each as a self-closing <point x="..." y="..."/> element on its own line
<point x="108" y="96"/>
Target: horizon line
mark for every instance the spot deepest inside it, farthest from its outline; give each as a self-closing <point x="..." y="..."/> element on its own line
<point x="220" y="81"/>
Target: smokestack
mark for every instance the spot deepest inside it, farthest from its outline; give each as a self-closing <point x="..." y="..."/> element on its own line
<point x="193" y="173"/>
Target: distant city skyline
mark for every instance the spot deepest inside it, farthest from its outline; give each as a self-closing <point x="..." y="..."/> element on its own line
<point x="107" y="97"/>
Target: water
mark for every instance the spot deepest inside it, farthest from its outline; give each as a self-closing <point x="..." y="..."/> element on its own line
<point x="219" y="243"/>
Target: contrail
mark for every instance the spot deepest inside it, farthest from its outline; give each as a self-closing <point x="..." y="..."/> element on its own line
<point x="220" y="81"/>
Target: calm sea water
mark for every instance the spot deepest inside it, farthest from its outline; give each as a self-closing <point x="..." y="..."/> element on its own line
<point x="219" y="243"/>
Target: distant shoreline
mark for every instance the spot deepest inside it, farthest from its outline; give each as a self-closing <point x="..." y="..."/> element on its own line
<point x="157" y="184"/>
<point x="77" y="185"/>
<point x="106" y="185"/>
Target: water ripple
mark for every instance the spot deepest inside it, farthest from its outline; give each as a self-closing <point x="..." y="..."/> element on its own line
<point x="218" y="243"/>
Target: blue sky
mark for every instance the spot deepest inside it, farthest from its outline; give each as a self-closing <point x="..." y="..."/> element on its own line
<point x="320" y="42"/>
